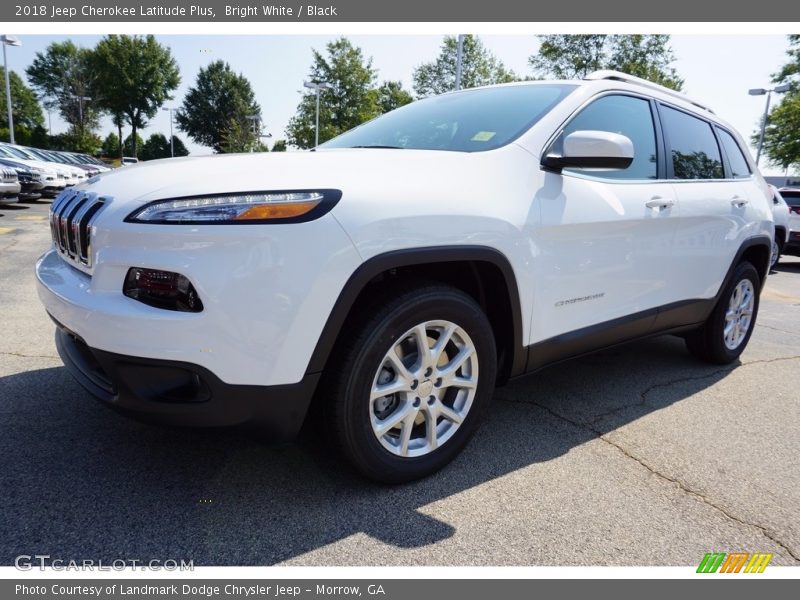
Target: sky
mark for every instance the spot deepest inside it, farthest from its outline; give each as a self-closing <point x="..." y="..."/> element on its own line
<point x="718" y="69"/>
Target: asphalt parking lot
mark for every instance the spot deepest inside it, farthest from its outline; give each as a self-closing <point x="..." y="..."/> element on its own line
<point x="634" y="456"/>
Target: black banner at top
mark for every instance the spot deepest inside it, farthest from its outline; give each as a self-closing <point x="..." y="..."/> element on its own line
<point x="625" y="11"/>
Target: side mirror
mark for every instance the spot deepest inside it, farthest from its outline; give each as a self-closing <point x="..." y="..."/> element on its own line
<point x="591" y="150"/>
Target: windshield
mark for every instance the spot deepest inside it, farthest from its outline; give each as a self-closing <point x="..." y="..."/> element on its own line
<point x="469" y="121"/>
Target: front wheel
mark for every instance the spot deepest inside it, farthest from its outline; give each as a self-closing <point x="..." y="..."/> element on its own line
<point x="411" y="385"/>
<point x="724" y="336"/>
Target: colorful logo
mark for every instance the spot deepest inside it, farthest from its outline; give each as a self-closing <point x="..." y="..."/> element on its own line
<point x="735" y="562"/>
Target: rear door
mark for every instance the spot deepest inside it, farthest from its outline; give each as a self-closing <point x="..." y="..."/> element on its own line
<point x="713" y="204"/>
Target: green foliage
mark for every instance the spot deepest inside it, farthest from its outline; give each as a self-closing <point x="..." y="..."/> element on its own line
<point x="352" y="99"/>
<point x="567" y="56"/>
<point x="391" y="95"/>
<point x="239" y="136"/>
<point x="61" y="74"/>
<point x="478" y="67"/>
<point x="220" y="99"/>
<point x="132" y="145"/>
<point x="136" y="75"/>
<point x="27" y="112"/>
<point x="77" y="139"/>
<point x="110" y="145"/>
<point x="782" y="135"/>
<point x="790" y="72"/>
<point x="157" y="146"/>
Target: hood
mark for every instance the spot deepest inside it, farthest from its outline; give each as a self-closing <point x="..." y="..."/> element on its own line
<point x="345" y="169"/>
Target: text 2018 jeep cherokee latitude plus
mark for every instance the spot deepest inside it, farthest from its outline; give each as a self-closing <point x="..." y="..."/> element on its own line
<point x="404" y="268"/>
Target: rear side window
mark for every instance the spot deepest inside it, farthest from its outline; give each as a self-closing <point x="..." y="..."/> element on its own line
<point x="792" y="197"/>
<point x="630" y="117"/>
<point x="739" y="167"/>
<point x="693" y="147"/>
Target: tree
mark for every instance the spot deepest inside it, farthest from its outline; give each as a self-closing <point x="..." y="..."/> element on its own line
<point x="157" y="146"/>
<point x="782" y="134"/>
<point x="132" y="145"/>
<point x="645" y="56"/>
<point x="566" y="56"/>
<point x="478" y="67"/>
<point x="27" y="113"/>
<point x="219" y="96"/>
<point x="110" y="145"/>
<point x="239" y="136"/>
<point x="351" y="100"/>
<point x="279" y="146"/>
<point x="391" y="95"/>
<point x="136" y="75"/>
<point x="63" y="76"/>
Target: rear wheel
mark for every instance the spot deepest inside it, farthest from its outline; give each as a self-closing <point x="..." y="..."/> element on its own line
<point x="412" y="384"/>
<point x="777" y="250"/>
<point x="724" y="336"/>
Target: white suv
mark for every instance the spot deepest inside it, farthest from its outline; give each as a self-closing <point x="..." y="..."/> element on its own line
<point x="402" y="270"/>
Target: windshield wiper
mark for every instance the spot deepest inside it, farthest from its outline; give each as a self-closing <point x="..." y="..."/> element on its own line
<point x="379" y="146"/>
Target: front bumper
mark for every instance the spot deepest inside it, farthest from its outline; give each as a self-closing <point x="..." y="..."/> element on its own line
<point x="178" y="393"/>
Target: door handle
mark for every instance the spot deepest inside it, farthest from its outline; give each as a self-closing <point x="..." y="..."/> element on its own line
<point x="659" y="203"/>
<point x="739" y="202"/>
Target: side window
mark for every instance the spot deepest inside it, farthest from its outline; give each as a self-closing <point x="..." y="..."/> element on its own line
<point x="630" y="117"/>
<point x="739" y="167"/>
<point x="694" y="149"/>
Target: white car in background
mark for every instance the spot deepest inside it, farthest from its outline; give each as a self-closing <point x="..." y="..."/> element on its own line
<point x="406" y="267"/>
<point x="53" y="181"/>
<point x="780" y="214"/>
<point x="792" y="198"/>
<point x="72" y="174"/>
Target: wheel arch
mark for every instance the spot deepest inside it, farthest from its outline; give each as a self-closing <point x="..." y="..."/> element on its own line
<point x="473" y="269"/>
<point x="756" y="250"/>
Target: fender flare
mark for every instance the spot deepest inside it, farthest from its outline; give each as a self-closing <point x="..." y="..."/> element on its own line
<point x="409" y="258"/>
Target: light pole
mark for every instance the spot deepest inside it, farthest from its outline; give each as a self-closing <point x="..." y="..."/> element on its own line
<point x="317" y="86"/>
<point x="169" y="109"/>
<point x="780" y="89"/>
<point x="459" y="60"/>
<point x="255" y="121"/>
<point x="81" y="100"/>
<point x="9" y="40"/>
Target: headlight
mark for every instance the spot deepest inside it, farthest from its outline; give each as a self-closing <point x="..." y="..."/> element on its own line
<point x="244" y="207"/>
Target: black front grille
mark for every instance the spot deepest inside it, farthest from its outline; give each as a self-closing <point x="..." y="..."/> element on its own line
<point x="71" y="217"/>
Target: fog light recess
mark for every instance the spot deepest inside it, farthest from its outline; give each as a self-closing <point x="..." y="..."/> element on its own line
<point x="161" y="289"/>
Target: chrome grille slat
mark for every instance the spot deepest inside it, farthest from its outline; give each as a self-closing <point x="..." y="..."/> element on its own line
<point x="72" y="216"/>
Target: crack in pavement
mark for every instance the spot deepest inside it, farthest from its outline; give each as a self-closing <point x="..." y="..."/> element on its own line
<point x="643" y="395"/>
<point x="776" y="329"/>
<point x="21" y="355"/>
<point x="589" y="426"/>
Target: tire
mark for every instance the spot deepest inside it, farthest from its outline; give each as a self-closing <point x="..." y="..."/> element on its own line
<point x="777" y="250"/>
<point x="433" y="421"/>
<point x="737" y="308"/>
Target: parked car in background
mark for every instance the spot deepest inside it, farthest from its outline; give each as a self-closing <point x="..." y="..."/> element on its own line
<point x="129" y="160"/>
<point x="74" y="174"/>
<point x="53" y="182"/>
<point x="30" y="181"/>
<point x="92" y="161"/>
<point x="780" y="214"/>
<point x="9" y="186"/>
<point x="792" y="198"/>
